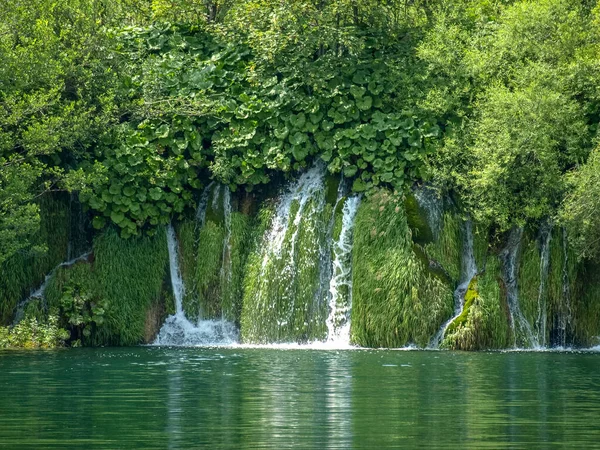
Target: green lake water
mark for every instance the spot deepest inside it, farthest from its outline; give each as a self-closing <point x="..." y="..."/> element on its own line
<point x="244" y="398"/>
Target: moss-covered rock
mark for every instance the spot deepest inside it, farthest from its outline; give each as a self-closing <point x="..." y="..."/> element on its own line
<point x="284" y="295"/>
<point x="25" y="271"/>
<point x="396" y="300"/>
<point x="483" y="324"/>
<point x="416" y="219"/>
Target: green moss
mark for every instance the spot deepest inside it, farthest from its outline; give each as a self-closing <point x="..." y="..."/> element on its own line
<point x="484" y="322"/>
<point x="529" y="278"/>
<point x="232" y="291"/>
<point x="481" y="245"/>
<point x="26" y="270"/>
<point x="207" y="276"/>
<point x="417" y="220"/>
<point x="586" y="306"/>
<point x="283" y="299"/>
<point x="470" y="296"/>
<point x="396" y="301"/>
<point x="446" y="250"/>
<point x="130" y="276"/>
<point x="562" y="289"/>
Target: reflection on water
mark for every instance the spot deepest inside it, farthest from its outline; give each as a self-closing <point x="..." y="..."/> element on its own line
<point x="275" y="399"/>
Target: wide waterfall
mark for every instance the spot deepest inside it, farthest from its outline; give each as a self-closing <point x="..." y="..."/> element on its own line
<point x="340" y="285"/>
<point x="523" y="333"/>
<point x="467" y="273"/>
<point x="177" y="329"/>
<point x="285" y="298"/>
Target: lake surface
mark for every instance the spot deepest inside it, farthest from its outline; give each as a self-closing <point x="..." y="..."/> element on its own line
<point x="244" y="398"/>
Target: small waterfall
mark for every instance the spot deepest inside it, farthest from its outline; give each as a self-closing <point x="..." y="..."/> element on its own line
<point x="226" y="265"/>
<point x="565" y="317"/>
<point x="38" y="294"/>
<point x="177" y="329"/>
<point x="468" y="270"/>
<point x="431" y="202"/>
<point x="542" y="316"/>
<point x="509" y="256"/>
<point x="340" y="285"/>
<point x="302" y="191"/>
<point x="289" y="299"/>
<point x="203" y="203"/>
<point x="176" y="280"/>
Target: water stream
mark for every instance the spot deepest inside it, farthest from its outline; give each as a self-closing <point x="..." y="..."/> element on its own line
<point x="290" y="293"/>
<point x="340" y="285"/>
<point x="468" y="271"/>
<point x="432" y="203"/>
<point x="177" y="329"/>
<point x="523" y="333"/>
<point x="38" y="294"/>
<point x="542" y="315"/>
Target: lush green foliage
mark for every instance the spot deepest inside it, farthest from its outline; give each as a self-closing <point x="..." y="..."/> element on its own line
<point x="25" y="270"/>
<point x="30" y="333"/>
<point x="136" y="106"/>
<point x="581" y="208"/>
<point x="396" y="300"/>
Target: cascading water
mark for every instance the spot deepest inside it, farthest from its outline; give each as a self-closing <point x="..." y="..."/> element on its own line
<point x="340" y="285"/>
<point x="565" y="317"/>
<point x="542" y="319"/>
<point x="468" y="271"/>
<point x="202" y="204"/>
<point x="226" y="265"/>
<point x="288" y="300"/>
<point x="177" y="329"/>
<point x="433" y="205"/>
<point x="38" y="294"/>
<point x="524" y="336"/>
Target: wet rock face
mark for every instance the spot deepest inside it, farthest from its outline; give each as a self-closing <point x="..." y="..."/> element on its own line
<point x="155" y="316"/>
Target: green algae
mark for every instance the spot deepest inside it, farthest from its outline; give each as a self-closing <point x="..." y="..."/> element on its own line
<point x="446" y="249"/>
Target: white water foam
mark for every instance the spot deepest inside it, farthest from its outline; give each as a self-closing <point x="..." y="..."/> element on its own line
<point x="177" y="329"/>
<point x="340" y="304"/>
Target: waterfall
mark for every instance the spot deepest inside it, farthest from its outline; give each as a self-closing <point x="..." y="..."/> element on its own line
<point x="468" y="270"/>
<point x="433" y="205"/>
<point x="542" y="319"/>
<point x="177" y="329"/>
<point x="287" y="299"/>
<point x="340" y="285"/>
<point x="509" y="256"/>
<point x="202" y="204"/>
<point x="307" y="186"/>
<point x="565" y="317"/>
<point x="39" y="292"/>
<point x="226" y="265"/>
